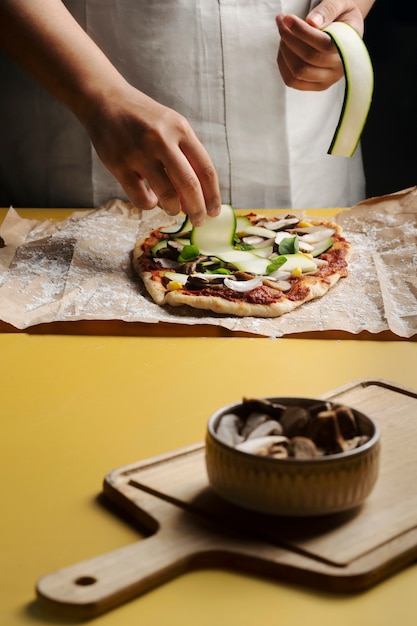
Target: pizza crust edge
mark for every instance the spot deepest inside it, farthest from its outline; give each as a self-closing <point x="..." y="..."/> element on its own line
<point x="159" y="294"/>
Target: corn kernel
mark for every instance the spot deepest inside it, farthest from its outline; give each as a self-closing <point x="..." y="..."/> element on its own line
<point x="304" y="224"/>
<point x="297" y="271"/>
<point x="173" y="285"/>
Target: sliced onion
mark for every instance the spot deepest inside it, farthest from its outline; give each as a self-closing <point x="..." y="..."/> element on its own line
<point x="279" y="224"/>
<point x="259" y="231"/>
<point x="304" y="246"/>
<point x="320" y="262"/>
<point x="243" y="285"/>
<point x="209" y="276"/>
<point x="282" y="235"/>
<point x="172" y="243"/>
<point x="325" y="230"/>
<point x="264" y="251"/>
<point x="280" y="275"/>
<point x="252" y="240"/>
<point x="168" y="264"/>
<point x="308" y="229"/>
<point x="264" y="243"/>
<point x="257" y="242"/>
<point x="318" y="236"/>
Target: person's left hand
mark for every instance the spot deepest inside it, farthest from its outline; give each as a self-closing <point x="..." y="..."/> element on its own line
<point x="307" y="57"/>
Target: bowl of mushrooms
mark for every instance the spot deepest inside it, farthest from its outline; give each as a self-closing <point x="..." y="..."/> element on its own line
<point x="292" y="456"/>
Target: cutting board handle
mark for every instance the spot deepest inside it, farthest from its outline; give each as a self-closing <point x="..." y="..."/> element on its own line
<point x="101" y="583"/>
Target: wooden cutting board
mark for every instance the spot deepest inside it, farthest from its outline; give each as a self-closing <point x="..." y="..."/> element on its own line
<point x="191" y="527"/>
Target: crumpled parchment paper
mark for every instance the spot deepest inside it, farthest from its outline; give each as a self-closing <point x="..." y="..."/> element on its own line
<point x="80" y="269"/>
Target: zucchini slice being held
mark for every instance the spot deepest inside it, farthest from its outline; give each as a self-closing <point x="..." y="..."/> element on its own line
<point x="217" y="233"/>
<point x="359" y="88"/>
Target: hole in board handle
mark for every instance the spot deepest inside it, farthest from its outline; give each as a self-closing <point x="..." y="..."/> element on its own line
<point x="84" y="581"/>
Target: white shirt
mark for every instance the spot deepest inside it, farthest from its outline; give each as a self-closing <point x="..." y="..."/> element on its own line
<point x="214" y="61"/>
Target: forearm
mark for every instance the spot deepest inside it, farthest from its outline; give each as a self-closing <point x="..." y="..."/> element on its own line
<point x="44" y="39"/>
<point x="151" y="150"/>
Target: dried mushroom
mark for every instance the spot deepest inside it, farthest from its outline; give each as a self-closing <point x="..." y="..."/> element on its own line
<point x="262" y="427"/>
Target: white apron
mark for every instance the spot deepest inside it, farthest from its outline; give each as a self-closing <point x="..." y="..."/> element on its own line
<point x="214" y="61"/>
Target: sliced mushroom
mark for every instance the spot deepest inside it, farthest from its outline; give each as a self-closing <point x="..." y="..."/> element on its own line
<point x="269" y="427"/>
<point x="281" y="235"/>
<point x="228" y="429"/>
<point x="167" y="263"/>
<point x="327" y="434"/>
<point x="201" y="281"/>
<point x="243" y="285"/>
<point x="280" y="285"/>
<point x="355" y="442"/>
<point x="189" y="267"/>
<point x="253" y="421"/>
<point x="166" y="253"/>
<point x="347" y="422"/>
<point x="294" y="420"/>
<point x="302" y="448"/>
<point x="261" y="445"/>
<point x="278" y="452"/>
<point x="260" y="405"/>
<point x="196" y="282"/>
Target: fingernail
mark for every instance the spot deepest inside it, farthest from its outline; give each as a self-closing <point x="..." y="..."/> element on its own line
<point x="213" y="211"/>
<point x="317" y="19"/>
<point x="198" y="221"/>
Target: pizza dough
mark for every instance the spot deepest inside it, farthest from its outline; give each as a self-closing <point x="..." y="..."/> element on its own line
<point x="250" y="265"/>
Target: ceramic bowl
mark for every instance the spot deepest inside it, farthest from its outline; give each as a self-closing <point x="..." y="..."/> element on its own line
<point x="293" y="486"/>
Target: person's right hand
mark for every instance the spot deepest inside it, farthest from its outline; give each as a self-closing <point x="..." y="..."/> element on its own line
<point x="154" y="154"/>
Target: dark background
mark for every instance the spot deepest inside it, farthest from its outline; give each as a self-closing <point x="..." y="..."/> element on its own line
<point x="389" y="141"/>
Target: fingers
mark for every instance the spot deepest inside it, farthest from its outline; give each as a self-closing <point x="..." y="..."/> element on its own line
<point x="323" y="14"/>
<point x="185" y="180"/>
<point x="298" y="75"/>
<point x="307" y="57"/>
<point x="329" y="11"/>
<point x="163" y="190"/>
<point x="191" y="174"/>
<point x="310" y="44"/>
<point x="176" y="187"/>
<point x="183" y="183"/>
<point x="181" y="174"/>
<point x="137" y="189"/>
<point x="196" y="159"/>
<point x="155" y="155"/>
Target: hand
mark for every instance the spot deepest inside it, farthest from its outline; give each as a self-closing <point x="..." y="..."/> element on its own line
<point x="154" y="154"/>
<point x="307" y="57"/>
<point x="350" y="11"/>
<point x="150" y="149"/>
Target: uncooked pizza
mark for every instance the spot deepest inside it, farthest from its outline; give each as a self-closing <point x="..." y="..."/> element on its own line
<point x="254" y="264"/>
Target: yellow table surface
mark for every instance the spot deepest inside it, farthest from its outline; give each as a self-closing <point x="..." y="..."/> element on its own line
<point x="79" y="400"/>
